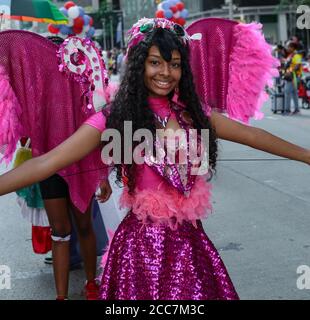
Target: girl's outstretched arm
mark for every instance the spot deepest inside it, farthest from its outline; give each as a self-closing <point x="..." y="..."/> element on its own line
<point x="257" y="138"/>
<point x="75" y="148"/>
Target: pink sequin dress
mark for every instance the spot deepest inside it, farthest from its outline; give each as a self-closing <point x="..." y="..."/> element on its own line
<point x="160" y="250"/>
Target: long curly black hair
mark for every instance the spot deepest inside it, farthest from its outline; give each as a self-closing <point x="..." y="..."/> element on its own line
<point x="131" y="104"/>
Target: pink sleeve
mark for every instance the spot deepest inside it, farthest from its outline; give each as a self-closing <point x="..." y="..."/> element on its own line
<point x="97" y="121"/>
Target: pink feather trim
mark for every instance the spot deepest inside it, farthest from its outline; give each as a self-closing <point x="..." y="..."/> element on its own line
<point x="252" y="68"/>
<point x="168" y="206"/>
<point x="10" y="114"/>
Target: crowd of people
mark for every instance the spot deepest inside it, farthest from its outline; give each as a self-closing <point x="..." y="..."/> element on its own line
<point x="291" y="57"/>
<point x="115" y="61"/>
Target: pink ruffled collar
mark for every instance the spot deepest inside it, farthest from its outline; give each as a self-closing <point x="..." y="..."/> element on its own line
<point x="160" y="106"/>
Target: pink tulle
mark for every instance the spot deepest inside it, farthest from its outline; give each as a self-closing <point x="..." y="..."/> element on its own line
<point x="252" y="67"/>
<point x="168" y="206"/>
<point x="10" y="112"/>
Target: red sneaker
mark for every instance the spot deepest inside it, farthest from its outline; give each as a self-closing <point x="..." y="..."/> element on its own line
<point x="91" y="290"/>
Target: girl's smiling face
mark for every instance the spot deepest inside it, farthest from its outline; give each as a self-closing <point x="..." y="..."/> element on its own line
<point x="162" y="77"/>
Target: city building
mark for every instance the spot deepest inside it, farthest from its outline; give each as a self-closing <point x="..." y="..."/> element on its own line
<point x="279" y="22"/>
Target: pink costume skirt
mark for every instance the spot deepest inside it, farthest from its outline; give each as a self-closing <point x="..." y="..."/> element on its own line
<point x="154" y="262"/>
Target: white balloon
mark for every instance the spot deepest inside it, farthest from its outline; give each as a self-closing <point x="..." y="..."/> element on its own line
<point x="160" y="6"/>
<point x="73" y="12"/>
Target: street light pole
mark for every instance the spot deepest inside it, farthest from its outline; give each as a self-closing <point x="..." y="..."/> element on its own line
<point x="231" y="8"/>
<point x="111" y="30"/>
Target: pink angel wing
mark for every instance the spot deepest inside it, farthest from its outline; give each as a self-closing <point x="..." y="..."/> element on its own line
<point x="46" y="105"/>
<point x="232" y="64"/>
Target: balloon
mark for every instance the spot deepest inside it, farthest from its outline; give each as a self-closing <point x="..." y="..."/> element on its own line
<point x="90" y="32"/>
<point x="52" y="29"/>
<point x="79" y="22"/>
<point x="174" y="9"/>
<point x="180" y="6"/>
<point x="181" y="21"/>
<point x="77" y="29"/>
<point x="69" y="4"/>
<point x="174" y="2"/>
<point x="160" y="7"/>
<point x="160" y="14"/>
<point x="86" y="28"/>
<point x="91" y="21"/>
<point x="184" y="13"/>
<point x="168" y="14"/>
<point x="177" y="14"/>
<point x="86" y="19"/>
<point x="65" y="30"/>
<point x="165" y="5"/>
<point x="73" y="12"/>
<point x="82" y="12"/>
<point x="64" y="11"/>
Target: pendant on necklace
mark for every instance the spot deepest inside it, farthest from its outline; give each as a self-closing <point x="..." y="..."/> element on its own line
<point x="162" y="121"/>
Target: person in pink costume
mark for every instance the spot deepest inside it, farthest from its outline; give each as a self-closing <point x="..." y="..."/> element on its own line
<point x="40" y="102"/>
<point x="160" y="250"/>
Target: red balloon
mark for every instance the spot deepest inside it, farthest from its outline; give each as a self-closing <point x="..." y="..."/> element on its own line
<point x="69" y="4"/>
<point x="160" y="14"/>
<point x="52" y="29"/>
<point x="173" y="19"/>
<point x="180" y="6"/>
<point x="181" y="21"/>
<point x="78" y="22"/>
<point x="91" y="21"/>
<point x="77" y="30"/>
<point x="174" y="9"/>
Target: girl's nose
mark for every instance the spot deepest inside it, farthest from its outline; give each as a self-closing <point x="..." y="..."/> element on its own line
<point x="165" y="70"/>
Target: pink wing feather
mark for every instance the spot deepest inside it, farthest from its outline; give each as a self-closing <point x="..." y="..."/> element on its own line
<point x="232" y="64"/>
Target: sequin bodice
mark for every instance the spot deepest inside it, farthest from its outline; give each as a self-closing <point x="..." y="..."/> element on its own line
<point x="175" y="169"/>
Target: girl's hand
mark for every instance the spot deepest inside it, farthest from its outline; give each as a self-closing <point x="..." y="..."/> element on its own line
<point x="104" y="191"/>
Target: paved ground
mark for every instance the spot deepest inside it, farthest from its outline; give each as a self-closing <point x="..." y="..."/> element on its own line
<point x="260" y="223"/>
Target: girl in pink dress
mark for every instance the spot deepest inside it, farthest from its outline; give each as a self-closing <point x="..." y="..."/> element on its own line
<point x="160" y="250"/>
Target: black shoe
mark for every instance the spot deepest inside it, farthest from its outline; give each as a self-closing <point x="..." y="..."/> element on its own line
<point x="48" y="260"/>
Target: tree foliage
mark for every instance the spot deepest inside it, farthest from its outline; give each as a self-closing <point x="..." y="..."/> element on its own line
<point x="294" y="2"/>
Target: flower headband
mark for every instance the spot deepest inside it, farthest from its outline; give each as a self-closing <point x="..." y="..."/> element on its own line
<point x="140" y="29"/>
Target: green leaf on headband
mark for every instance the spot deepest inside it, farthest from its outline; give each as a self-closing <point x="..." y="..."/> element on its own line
<point x="146" y="27"/>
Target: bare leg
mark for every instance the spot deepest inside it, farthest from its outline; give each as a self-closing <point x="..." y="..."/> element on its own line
<point x="59" y="219"/>
<point x="87" y="241"/>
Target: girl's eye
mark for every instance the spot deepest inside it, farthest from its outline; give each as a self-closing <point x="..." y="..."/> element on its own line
<point x="176" y="65"/>
<point x="154" y="62"/>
